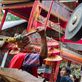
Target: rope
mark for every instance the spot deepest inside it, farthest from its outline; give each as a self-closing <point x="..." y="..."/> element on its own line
<point x="59" y="32"/>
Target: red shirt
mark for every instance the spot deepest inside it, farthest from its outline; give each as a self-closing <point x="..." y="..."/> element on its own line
<point x="17" y="61"/>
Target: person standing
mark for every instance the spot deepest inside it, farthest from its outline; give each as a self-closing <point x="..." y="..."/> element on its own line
<point x="28" y="59"/>
<point x="65" y="75"/>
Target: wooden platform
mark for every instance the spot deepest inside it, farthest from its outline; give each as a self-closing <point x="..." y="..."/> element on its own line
<point x="15" y="75"/>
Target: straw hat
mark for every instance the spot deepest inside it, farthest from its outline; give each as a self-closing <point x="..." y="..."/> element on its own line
<point x="51" y="60"/>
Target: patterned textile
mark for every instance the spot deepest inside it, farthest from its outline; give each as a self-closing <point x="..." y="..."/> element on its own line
<point x="31" y="60"/>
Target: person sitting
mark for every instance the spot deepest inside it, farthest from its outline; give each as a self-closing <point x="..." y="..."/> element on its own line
<point x="25" y="60"/>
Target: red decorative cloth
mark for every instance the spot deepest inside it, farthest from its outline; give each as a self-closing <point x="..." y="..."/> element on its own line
<point x="17" y="61"/>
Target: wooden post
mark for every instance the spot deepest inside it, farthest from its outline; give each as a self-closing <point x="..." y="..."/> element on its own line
<point x="3" y="19"/>
<point x="55" y="70"/>
<point x="4" y="59"/>
<point x="31" y="19"/>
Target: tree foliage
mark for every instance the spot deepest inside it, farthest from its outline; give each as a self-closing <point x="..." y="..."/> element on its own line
<point x="11" y="17"/>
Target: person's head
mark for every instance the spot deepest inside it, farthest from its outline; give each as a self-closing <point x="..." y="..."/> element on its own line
<point x="65" y="71"/>
<point x="28" y="49"/>
<point x="25" y="45"/>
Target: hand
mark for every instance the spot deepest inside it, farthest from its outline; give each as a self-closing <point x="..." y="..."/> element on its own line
<point x="22" y="43"/>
